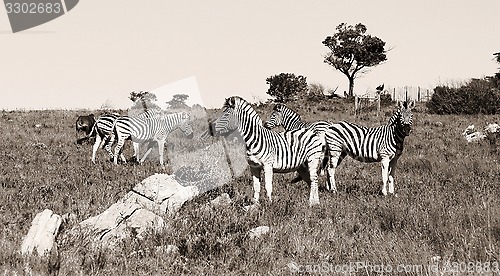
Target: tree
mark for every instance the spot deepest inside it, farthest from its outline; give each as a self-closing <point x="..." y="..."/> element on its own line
<point x="286" y="86"/>
<point x="496" y="78"/>
<point x="352" y="51"/>
<point x="178" y="101"/>
<point x="143" y="100"/>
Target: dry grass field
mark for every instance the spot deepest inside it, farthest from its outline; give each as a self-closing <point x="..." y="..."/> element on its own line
<point x="446" y="214"/>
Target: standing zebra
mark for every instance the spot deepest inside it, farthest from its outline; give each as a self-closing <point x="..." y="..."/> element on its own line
<point x="289" y="120"/>
<point x="144" y="129"/>
<point x="297" y="150"/>
<point x="378" y="144"/>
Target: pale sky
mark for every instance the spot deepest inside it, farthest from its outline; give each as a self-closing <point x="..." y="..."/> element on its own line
<point x="100" y="51"/>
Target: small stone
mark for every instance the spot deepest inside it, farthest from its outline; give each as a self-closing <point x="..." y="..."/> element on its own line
<point x="258" y="231"/>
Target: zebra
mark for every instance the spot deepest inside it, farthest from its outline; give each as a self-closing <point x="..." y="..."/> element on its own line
<point x="377" y="144"/>
<point x="102" y="131"/>
<point x="297" y="150"/>
<point x="289" y="120"/>
<point x="144" y="129"/>
<point x="103" y="128"/>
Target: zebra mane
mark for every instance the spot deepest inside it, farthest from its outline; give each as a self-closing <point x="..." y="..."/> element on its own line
<point x="394" y="118"/>
<point x="237" y="102"/>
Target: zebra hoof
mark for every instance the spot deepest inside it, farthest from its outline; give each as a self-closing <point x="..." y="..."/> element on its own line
<point x="252" y="207"/>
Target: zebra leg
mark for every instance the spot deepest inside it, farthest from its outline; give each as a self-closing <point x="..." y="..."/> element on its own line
<point x="118" y="149"/>
<point x="310" y="174"/>
<point x="385" y="174"/>
<point x="136" y="152"/>
<point x="268" y="178"/>
<point x="106" y="144"/>
<point x="97" y="143"/>
<point x="392" y="170"/>
<point x="161" y="146"/>
<point x="336" y="158"/>
<point x="256" y="183"/>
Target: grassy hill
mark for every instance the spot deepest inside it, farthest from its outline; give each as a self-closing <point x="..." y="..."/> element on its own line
<point x="447" y="210"/>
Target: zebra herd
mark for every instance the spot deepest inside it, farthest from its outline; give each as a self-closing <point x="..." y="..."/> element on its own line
<point x="310" y="147"/>
<point x="306" y="148"/>
<point x="148" y="126"/>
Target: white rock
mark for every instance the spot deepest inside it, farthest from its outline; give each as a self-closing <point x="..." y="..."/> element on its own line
<point x="258" y="231"/>
<point x="222" y="200"/>
<point x="42" y="233"/>
<point x="141" y="209"/>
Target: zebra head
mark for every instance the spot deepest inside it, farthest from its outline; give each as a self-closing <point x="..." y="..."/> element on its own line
<point x="276" y="118"/>
<point x="403" y="118"/>
<point x="185" y="126"/>
<point x="227" y="122"/>
<point x="85" y="123"/>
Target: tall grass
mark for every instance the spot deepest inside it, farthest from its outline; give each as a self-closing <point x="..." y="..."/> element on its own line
<point x="447" y="209"/>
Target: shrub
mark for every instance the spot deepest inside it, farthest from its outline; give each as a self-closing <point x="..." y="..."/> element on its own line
<point x="286" y="86"/>
<point x="386" y="100"/>
<point x="478" y="96"/>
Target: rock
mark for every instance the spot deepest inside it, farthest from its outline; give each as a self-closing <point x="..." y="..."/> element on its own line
<point x="221" y="201"/>
<point x="171" y="249"/>
<point x="141" y="209"/>
<point x="163" y="194"/>
<point x="492" y="128"/>
<point x="438" y="124"/>
<point x="42" y="233"/>
<point x="474" y="136"/>
<point x="258" y="231"/>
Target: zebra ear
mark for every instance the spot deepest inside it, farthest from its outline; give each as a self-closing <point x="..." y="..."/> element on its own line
<point x="277" y="107"/>
<point x="232" y="102"/>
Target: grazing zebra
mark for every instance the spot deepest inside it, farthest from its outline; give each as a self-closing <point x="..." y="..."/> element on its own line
<point x="297" y="150"/>
<point x="85" y="124"/>
<point x="103" y="129"/>
<point x="378" y="144"/>
<point x="145" y="129"/>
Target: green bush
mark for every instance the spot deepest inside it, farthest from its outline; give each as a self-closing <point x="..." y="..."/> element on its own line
<point x="478" y="96"/>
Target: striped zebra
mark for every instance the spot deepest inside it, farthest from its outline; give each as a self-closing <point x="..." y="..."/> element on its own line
<point x="144" y="129"/>
<point x="289" y="120"/>
<point x="297" y="150"/>
<point x="377" y="144"/>
<point x="103" y="128"/>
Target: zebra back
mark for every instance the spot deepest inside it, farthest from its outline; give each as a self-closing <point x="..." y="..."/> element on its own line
<point x="370" y="144"/>
<point x="289" y="119"/>
<point x="287" y="150"/>
<point x="157" y="127"/>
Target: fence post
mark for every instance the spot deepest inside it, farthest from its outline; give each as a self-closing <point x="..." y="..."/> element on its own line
<point x="378" y="102"/>
<point x="418" y="94"/>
